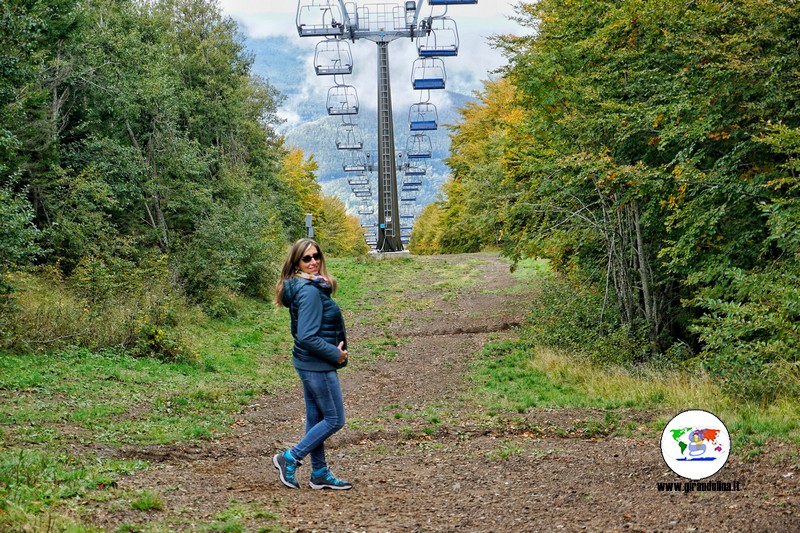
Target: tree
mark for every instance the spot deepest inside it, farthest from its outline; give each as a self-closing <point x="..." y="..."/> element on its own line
<point x="337" y="232"/>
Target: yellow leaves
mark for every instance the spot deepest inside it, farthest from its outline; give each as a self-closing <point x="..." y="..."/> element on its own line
<point x="780" y="183"/>
<point x="719" y="135"/>
<point x="299" y="172"/>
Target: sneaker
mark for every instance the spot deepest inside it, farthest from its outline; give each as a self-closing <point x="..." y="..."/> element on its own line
<point x="286" y="466"/>
<point x="325" y="480"/>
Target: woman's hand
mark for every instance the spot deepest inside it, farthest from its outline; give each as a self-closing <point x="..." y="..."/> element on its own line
<point x="342" y="353"/>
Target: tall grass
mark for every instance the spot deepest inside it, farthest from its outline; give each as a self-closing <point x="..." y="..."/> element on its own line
<point x="136" y="309"/>
<point x="563" y="357"/>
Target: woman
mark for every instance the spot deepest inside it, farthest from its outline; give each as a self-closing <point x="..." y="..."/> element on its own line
<point x="320" y="349"/>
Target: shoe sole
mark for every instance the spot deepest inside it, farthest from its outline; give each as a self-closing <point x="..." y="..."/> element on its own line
<point x="328" y="487"/>
<point x="280" y="473"/>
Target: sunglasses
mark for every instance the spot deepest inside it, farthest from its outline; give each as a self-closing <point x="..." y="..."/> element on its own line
<point x="307" y="258"/>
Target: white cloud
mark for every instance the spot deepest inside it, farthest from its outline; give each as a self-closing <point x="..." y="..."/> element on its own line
<point x="474" y="63"/>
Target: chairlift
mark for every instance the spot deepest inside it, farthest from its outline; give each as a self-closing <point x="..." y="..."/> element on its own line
<point x="333" y="57"/>
<point x="418" y="146"/>
<point x="415" y="170"/>
<point x="438" y="37"/>
<point x="342" y="100"/>
<point x="320" y="18"/>
<point x="423" y="117"/>
<point x="366" y="210"/>
<point x="408" y="199"/>
<point x="356" y="161"/>
<point x="358" y="181"/>
<point x="428" y="73"/>
<point x="363" y="193"/>
<point x="348" y="137"/>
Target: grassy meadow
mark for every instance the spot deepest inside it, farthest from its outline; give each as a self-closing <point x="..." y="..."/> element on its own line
<point x="56" y="408"/>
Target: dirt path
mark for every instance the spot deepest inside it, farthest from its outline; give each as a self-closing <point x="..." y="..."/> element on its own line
<point x="424" y="457"/>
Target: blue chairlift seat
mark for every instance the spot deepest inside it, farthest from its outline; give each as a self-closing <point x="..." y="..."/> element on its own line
<point x="424" y="125"/>
<point x="438" y="37"/>
<point x="452" y="52"/>
<point x="422" y="84"/>
<point x="428" y="74"/>
<point x="423" y="117"/>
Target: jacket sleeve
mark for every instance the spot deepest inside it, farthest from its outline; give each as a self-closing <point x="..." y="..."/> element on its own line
<point x="309" y="323"/>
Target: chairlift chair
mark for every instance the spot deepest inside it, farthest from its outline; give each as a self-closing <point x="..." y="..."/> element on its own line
<point x="320" y="18"/>
<point x="438" y="37"/>
<point x="332" y="57"/>
<point x="418" y="146"/>
<point x="415" y="170"/>
<point x="356" y="161"/>
<point x="358" y="181"/>
<point x="423" y="116"/>
<point x="427" y="73"/>
<point x="342" y="100"/>
<point x="348" y="137"/>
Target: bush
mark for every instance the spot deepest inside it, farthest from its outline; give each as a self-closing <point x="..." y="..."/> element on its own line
<point x="566" y="315"/>
<point x="239" y="249"/>
<point x="751" y="333"/>
<point x="99" y="306"/>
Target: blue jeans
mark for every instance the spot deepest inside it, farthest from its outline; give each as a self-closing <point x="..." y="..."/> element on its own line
<point x="324" y="414"/>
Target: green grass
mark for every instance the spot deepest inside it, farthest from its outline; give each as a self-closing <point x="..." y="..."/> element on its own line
<point x="34" y="483"/>
<point x="51" y="403"/>
<point x="517" y="376"/>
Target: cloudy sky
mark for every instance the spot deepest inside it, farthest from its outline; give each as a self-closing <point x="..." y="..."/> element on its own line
<point x="474" y="63"/>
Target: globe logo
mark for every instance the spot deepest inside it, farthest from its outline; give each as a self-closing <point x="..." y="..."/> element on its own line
<point x="695" y="444"/>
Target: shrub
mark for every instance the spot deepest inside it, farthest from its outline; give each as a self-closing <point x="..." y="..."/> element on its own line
<point x="238" y="248"/>
<point x="751" y="333"/>
<point x="567" y="315"/>
<point x="100" y="306"/>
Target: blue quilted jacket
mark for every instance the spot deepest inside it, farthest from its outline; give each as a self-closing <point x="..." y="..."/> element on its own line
<point x="317" y="325"/>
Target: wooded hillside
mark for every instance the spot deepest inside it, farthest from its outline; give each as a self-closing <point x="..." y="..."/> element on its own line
<point x="139" y="164"/>
<point x="650" y="151"/>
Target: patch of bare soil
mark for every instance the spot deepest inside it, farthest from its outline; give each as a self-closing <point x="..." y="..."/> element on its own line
<point x="423" y="455"/>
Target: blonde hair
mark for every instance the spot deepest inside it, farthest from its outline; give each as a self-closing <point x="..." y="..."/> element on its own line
<point x="290" y="266"/>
